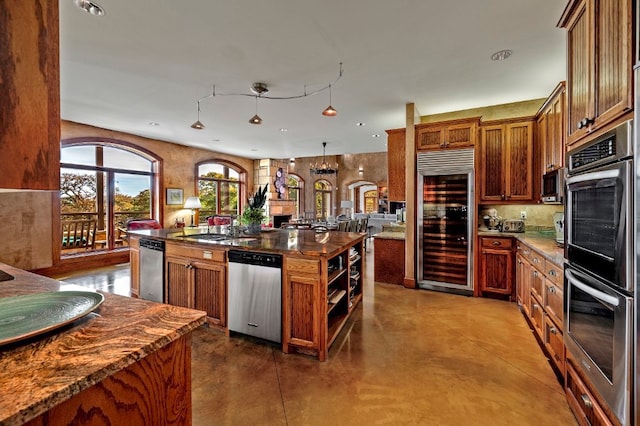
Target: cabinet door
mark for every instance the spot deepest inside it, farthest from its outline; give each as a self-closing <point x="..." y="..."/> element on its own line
<point x="302" y="316"/>
<point x="210" y="291"/>
<point x="613" y="67"/>
<point x="134" y="262"/>
<point x="556" y="133"/>
<point x="519" y="161"/>
<point x="496" y="275"/>
<point x="543" y="129"/>
<point x="492" y="164"/>
<point x="396" y="163"/>
<point x="179" y="282"/>
<point x="579" y="72"/>
<point x="431" y="137"/>
<point x="460" y="135"/>
<point x="582" y="402"/>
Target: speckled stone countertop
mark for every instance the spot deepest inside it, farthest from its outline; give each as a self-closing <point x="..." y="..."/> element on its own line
<point x="541" y="242"/>
<point x="390" y="235"/>
<point x="40" y="373"/>
<point x="283" y="241"/>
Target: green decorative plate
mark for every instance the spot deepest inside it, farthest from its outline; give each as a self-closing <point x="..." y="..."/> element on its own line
<point x="26" y="316"/>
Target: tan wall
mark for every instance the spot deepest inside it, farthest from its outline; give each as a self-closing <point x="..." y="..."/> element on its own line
<point x="493" y="112"/>
<point x="179" y="161"/>
<point x="373" y="164"/>
<point x="540" y="215"/>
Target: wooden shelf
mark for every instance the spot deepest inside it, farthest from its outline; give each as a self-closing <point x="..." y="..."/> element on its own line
<point x="335" y="324"/>
<point x="335" y="275"/>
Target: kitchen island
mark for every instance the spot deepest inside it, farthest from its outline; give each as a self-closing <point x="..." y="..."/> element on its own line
<point x="321" y="278"/>
<point x="128" y="362"/>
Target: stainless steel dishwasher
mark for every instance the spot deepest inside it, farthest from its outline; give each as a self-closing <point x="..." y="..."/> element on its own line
<point x="152" y="270"/>
<point x="255" y="294"/>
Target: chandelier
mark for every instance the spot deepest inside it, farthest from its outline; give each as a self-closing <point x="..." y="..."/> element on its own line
<point x="324" y="168"/>
<point x="260" y="90"/>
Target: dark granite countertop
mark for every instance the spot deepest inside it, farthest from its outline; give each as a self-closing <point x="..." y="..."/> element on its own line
<point x="40" y="373"/>
<point x="283" y="241"/>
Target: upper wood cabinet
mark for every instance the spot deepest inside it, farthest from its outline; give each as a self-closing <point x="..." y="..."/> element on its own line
<point x="30" y="102"/>
<point x="447" y="134"/>
<point x="550" y="134"/>
<point x="599" y="67"/>
<point x="505" y="162"/>
<point x="396" y="141"/>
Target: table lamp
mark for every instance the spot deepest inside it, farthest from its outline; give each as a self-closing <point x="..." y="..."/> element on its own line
<point x="192" y="203"/>
<point x="346" y="204"/>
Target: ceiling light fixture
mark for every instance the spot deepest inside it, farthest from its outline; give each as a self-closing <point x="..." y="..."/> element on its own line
<point x="259" y="90"/>
<point x="256" y="118"/>
<point x="90" y="7"/>
<point x="324" y="168"/>
<point x="501" y="55"/>
<point x="329" y="111"/>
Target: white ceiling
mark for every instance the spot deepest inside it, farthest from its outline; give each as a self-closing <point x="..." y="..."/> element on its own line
<point x="150" y="61"/>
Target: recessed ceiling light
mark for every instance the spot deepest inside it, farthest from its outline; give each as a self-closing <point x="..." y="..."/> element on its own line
<point x="153" y="123"/>
<point x="284" y="130"/>
<point x="90" y="7"/>
<point x="360" y="124"/>
<point x="253" y="149"/>
<point x="375" y="135"/>
<point x="501" y="55"/>
<point x="215" y="140"/>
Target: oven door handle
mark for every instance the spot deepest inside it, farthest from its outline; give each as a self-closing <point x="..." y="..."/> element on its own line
<point x="592" y="291"/>
<point x="605" y="174"/>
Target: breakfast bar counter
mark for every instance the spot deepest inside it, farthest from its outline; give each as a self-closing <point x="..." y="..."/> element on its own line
<point x="127" y="362"/>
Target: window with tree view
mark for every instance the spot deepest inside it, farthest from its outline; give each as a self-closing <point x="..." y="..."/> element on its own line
<point x="294" y="185"/>
<point x="322" y="192"/>
<point x="106" y="184"/>
<point x="218" y="189"/>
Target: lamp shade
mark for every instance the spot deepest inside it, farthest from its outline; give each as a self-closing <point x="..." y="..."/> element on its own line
<point x="192" y="203"/>
<point x="346" y="204"/>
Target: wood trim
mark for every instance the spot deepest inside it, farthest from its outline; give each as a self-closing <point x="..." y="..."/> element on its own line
<point x="84" y="261"/>
<point x="505" y="121"/>
<point x="562" y="86"/>
<point x="410" y="197"/>
<point x="567" y="13"/>
<point x="452" y="122"/>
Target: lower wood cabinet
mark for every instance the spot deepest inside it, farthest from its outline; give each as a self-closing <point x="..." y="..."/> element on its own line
<point x="197" y="278"/>
<point x="497" y="266"/>
<point x="134" y="261"/>
<point x="583" y="403"/>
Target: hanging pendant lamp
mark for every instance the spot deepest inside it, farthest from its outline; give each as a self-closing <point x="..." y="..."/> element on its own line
<point x="324" y="168"/>
<point x="256" y="118"/>
<point x="329" y="111"/>
<point x="198" y="124"/>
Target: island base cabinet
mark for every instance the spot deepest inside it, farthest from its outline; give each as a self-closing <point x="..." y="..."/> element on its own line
<point x="302" y="319"/>
<point x="154" y="391"/>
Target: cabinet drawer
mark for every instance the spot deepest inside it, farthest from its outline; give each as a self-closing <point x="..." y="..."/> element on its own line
<point x="537" y="261"/>
<point x="525" y="251"/>
<point x="303" y="266"/>
<point x="537" y="316"/>
<point x="195" y="253"/>
<point x="554" y="273"/>
<point x="537" y="284"/>
<point x="554" y="343"/>
<point x="582" y="401"/>
<point x="496" y="243"/>
<point x="553" y="301"/>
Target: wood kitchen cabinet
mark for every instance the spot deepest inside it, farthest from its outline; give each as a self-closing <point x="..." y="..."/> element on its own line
<point x="599" y="67"/>
<point x="584" y="404"/>
<point x="453" y="134"/>
<point x="505" y="162"/>
<point x="496" y="266"/>
<point x="550" y="134"/>
<point x="523" y="283"/>
<point x="319" y="296"/>
<point x="396" y="140"/>
<point x="134" y="261"/>
<point x="197" y="278"/>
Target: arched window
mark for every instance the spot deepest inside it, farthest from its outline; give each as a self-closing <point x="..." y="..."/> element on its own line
<point x="220" y="188"/>
<point x="322" y="196"/>
<point x="108" y="182"/>
<point x="295" y="185"/>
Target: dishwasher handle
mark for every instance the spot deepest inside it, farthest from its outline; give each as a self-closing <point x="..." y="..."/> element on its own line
<point x="156" y="245"/>
<point x="253" y="258"/>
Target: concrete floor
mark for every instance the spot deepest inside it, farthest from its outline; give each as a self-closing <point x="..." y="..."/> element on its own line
<point x="407" y="357"/>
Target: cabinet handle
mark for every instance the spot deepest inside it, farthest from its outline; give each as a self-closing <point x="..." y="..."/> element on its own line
<point x="535" y="274"/>
<point x="535" y="306"/>
<point x="585" y="122"/>
<point x="526" y="252"/>
<point x="552" y="273"/>
<point x="519" y="262"/>
<point x="586" y="400"/>
<point x="536" y="260"/>
<point x="552" y="289"/>
<point x="502" y="197"/>
<point x="496" y="243"/>
<point x="549" y="166"/>
<point x="553" y="330"/>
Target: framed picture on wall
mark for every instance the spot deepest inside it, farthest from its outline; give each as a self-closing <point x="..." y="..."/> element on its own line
<point x="175" y="196"/>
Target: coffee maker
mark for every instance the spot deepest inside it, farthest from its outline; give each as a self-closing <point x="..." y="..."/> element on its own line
<point x="558" y="222"/>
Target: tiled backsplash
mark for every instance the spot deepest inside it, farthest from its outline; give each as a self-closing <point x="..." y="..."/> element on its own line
<point x="540" y="215"/>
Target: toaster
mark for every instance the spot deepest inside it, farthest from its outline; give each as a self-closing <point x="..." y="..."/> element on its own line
<point x="513" y="225"/>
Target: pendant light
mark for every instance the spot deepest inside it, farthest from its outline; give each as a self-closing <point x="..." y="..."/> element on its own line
<point x="198" y="124"/>
<point x="329" y="111"/>
<point x="324" y="168"/>
<point x="256" y="118"/>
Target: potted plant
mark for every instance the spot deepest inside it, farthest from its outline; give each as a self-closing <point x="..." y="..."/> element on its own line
<point x="253" y="214"/>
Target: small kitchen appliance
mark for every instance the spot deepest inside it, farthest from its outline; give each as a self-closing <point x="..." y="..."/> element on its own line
<point x="558" y="222"/>
<point x="513" y="225"/>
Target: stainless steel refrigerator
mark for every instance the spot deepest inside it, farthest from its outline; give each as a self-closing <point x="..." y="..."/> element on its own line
<point x="444" y="220"/>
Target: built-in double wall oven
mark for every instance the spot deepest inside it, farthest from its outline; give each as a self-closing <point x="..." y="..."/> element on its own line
<point x="599" y="282"/>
